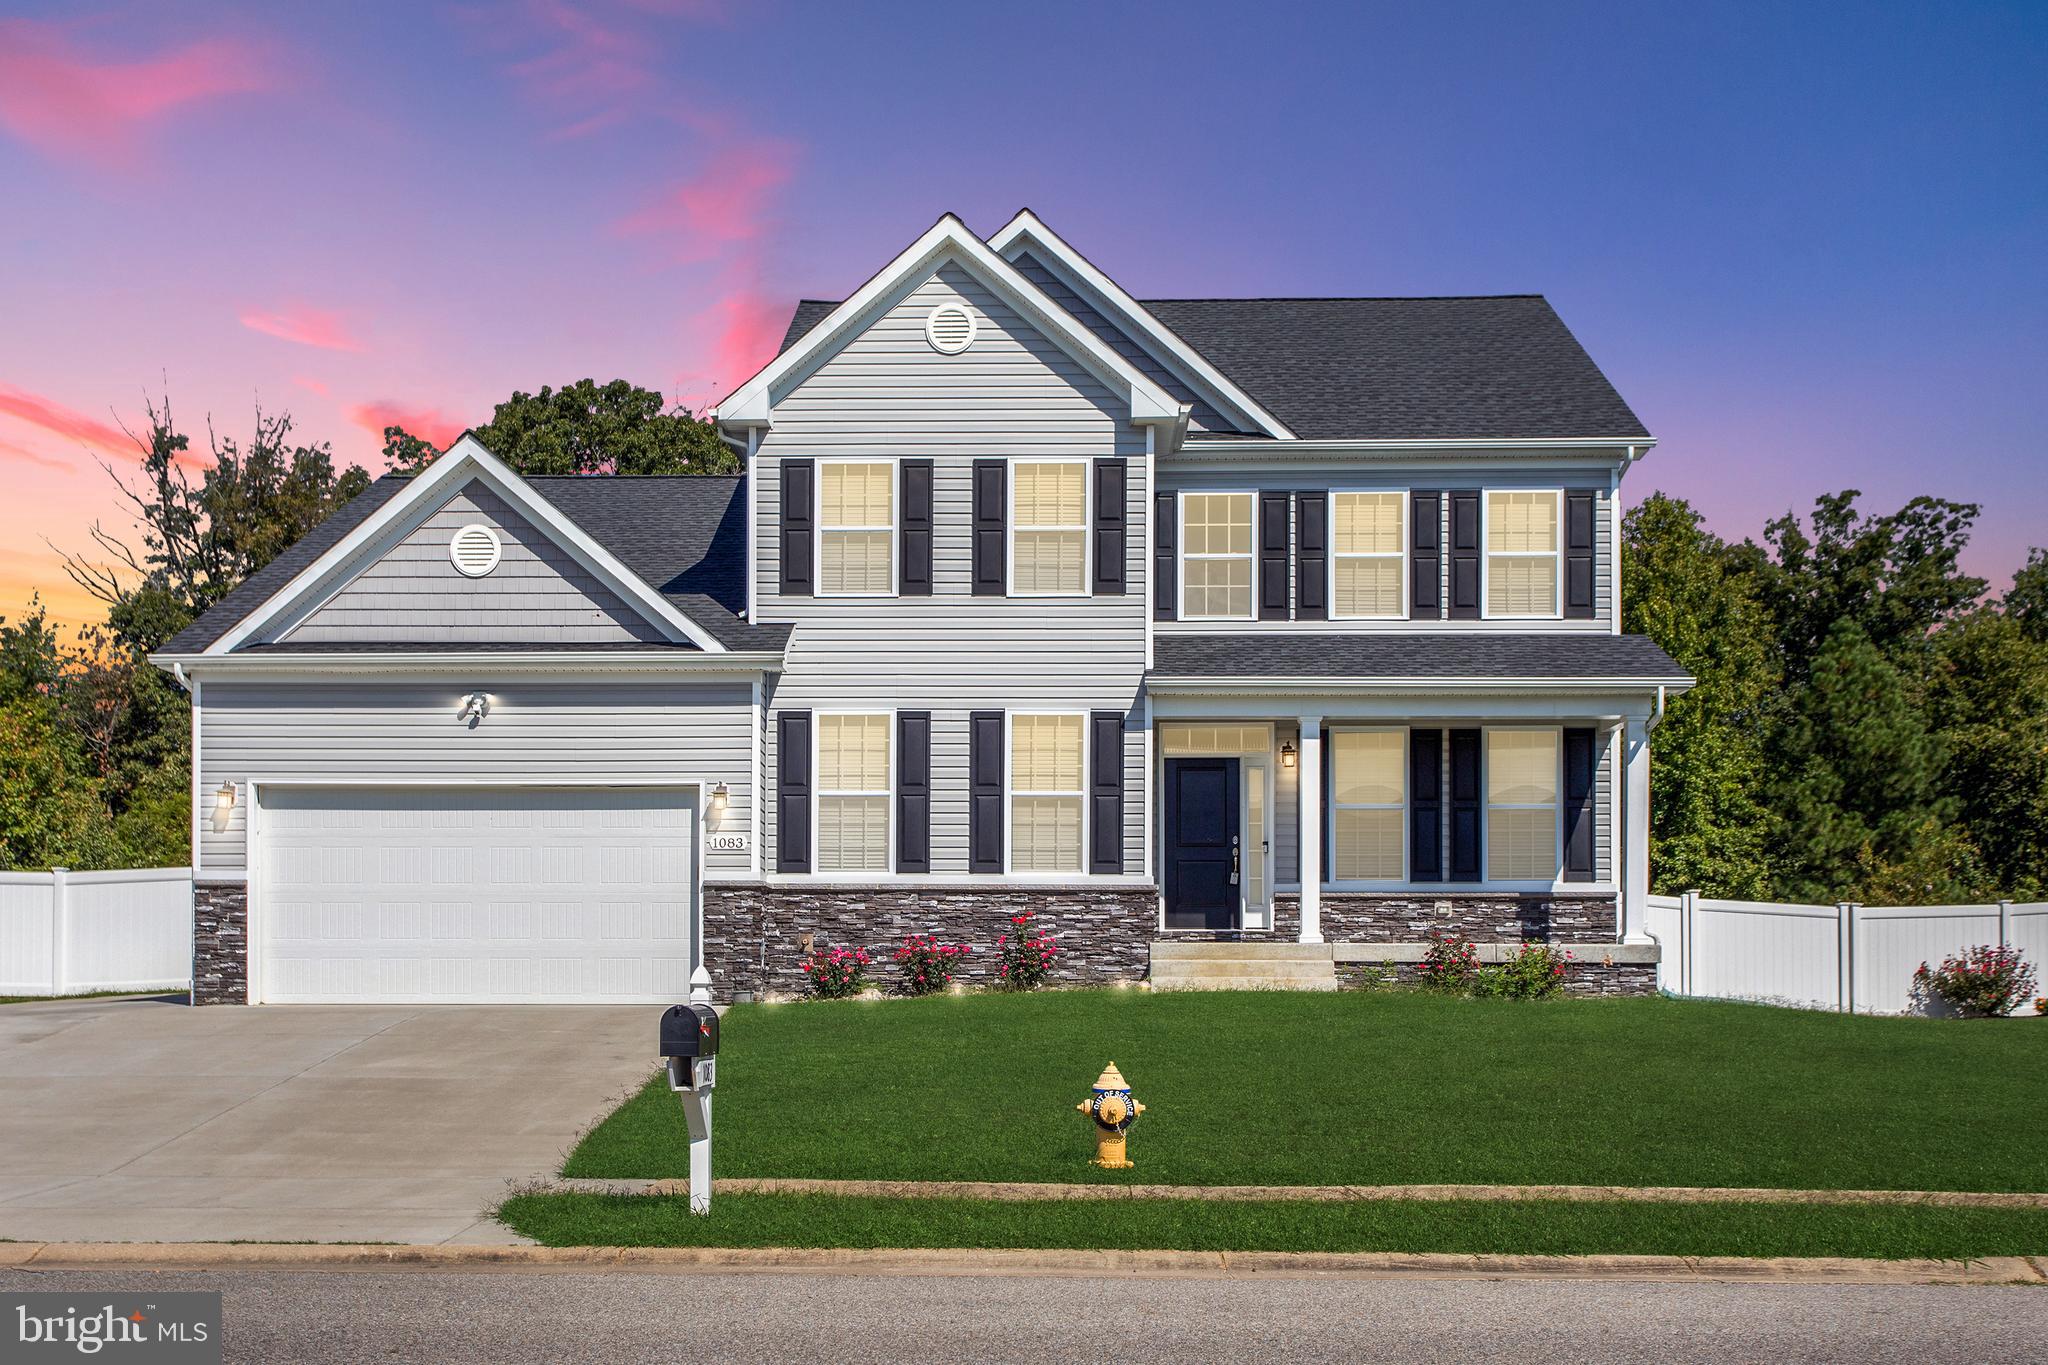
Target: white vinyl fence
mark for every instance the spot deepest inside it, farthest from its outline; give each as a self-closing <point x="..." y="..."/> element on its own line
<point x="1855" y="958"/>
<point x="65" y="933"/>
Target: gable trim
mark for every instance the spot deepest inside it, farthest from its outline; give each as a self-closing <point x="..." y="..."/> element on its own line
<point x="753" y="402"/>
<point x="1081" y="275"/>
<point x="463" y="462"/>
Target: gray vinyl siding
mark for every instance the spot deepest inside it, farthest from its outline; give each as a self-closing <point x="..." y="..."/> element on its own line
<point x="1013" y="393"/>
<point x="364" y="731"/>
<point x="1408" y="477"/>
<point x="538" y="593"/>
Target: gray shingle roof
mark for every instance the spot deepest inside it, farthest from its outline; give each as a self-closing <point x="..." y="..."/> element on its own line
<point x="685" y="536"/>
<point x="1482" y="368"/>
<point x="1556" y="656"/>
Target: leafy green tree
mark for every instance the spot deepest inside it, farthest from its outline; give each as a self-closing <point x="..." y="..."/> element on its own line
<point x="1708" y="825"/>
<point x="2026" y="602"/>
<point x="582" y="428"/>
<point x="50" y="812"/>
<point x="1988" y="699"/>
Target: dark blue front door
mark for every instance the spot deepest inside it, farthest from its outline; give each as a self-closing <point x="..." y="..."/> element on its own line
<point x="1203" y="888"/>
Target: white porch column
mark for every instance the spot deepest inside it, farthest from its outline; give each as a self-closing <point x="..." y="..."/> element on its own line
<point x="1310" y="797"/>
<point x="1635" y="863"/>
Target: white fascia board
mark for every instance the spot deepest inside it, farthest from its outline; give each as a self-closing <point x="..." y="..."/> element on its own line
<point x="466" y="459"/>
<point x="752" y="403"/>
<point x="404" y="663"/>
<point x="1609" y="450"/>
<point x="1027" y="229"/>
<point x="1334" y="686"/>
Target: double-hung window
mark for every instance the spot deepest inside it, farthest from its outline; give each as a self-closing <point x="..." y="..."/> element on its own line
<point x="1216" y="556"/>
<point x="1048" y="528"/>
<point x="1522" y="552"/>
<point x="1047" y="798"/>
<point x="853" y="793"/>
<point x="1366" y="554"/>
<point x="1368" y="790"/>
<point x="856" y="528"/>
<point x="1522" y="781"/>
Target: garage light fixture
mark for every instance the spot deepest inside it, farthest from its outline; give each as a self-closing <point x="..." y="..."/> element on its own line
<point x="223" y="806"/>
<point x="475" y="707"/>
<point x="720" y="795"/>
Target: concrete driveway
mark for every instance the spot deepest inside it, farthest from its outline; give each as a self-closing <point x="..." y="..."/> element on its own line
<point x="150" y="1121"/>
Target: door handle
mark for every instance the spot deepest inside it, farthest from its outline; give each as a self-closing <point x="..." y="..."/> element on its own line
<point x="1233" y="860"/>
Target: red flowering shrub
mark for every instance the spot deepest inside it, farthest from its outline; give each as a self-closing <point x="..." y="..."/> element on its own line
<point x="1984" y="981"/>
<point x="1537" y="971"/>
<point x="924" y="965"/>
<point x="836" y="973"/>
<point x="1448" y="964"/>
<point x="1026" y="952"/>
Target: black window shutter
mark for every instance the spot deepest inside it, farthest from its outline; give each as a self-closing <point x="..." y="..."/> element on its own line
<point x="914" y="562"/>
<point x="991" y="513"/>
<point x="1578" y="805"/>
<point x="1465" y="805"/>
<point x="1425" y="557"/>
<point x="793" y="791"/>
<point x="1578" y="555"/>
<point x="799" y="499"/>
<point x="1106" y="791"/>
<point x="1274" y="570"/>
<point x="913" y="791"/>
<point x="1312" y="558"/>
<point x="1425" y="805"/>
<point x="985" y="791"/>
<point x="1112" y="519"/>
<point x="1165" y="554"/>
<point x="1464" y="556"/>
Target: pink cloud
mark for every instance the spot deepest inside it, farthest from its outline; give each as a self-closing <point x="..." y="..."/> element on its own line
<point x="750" y="328"/>
<point x="724" y="205"/>
<point x="23" y="455"/>
<point x="311" y="385"/>
<point x="305" y="326"/>
<point x="52" y="416"/>
<point x="65" y="103"/>
<point x="429" y="424"/>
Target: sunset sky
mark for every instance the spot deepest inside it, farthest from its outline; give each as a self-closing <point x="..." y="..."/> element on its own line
<point x="1811" y="250"/>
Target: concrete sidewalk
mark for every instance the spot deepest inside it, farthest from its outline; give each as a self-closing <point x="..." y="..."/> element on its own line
<point x="144" y="1120"/>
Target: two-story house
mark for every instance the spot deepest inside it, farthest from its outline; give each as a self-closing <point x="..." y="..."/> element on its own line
<point x="1288" y="624"/>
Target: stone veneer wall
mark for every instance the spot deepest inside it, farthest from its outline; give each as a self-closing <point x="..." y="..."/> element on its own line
<point x="752" y="930"/>
<point x="1502" y="917"/>
<point x="220" y="943"/>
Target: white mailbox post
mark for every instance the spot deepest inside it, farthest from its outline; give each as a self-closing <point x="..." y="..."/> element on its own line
<point x="689" y="1045"/>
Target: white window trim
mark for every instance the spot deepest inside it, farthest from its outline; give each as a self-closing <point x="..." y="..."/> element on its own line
<point x="818" y="792"/>
<point x="1486" y="556"/>
<point x="1406" y="806"/>
<point x="1404" y="592"/>
<point x="1010" y="793"/>
<point x="1182" y="556"/>
<point x="1487" y="806"/>
<point x="895" y="536"/>
<point x="1087" y="526"/>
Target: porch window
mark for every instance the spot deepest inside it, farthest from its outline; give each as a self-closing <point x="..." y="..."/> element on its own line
<point x="856" y="529"/>
<point x="1521" y="805"/>
<point x="1049" y="528"/>
<point x="1216" y="556"/>
<point x="1367" y="554"/>
<point x="1046" y="793"/>
<point x="1522" y="552"/>
<point x="853" y="793"/>
<point x="1368" y="788"/>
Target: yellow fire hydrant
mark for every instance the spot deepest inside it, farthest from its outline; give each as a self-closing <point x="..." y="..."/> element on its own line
<point x="1113" y="1110"/>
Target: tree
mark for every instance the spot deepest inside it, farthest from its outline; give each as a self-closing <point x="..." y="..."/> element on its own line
<point x="582" y="428"/>
<point x="50" y="813"/>
<point x="2026" y="602"/>
<point x="1708" y="826"/>
<point x="1988" y="699"/>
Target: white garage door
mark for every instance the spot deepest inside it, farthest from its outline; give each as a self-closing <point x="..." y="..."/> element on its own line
<point x="413" y="894"/>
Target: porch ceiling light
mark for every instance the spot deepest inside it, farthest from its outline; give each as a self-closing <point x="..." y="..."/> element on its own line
<point x="1287" y="753"/>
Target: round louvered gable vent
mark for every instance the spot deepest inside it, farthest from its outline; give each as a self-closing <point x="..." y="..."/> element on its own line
<point x="950" y="328"/>
<point x="475" y="550"/>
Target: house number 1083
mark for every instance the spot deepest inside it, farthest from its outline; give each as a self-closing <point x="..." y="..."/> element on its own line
<point x="728" y="843"/>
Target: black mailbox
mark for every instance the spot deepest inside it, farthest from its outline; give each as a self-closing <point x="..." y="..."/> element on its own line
<point x="689" y="1031"/>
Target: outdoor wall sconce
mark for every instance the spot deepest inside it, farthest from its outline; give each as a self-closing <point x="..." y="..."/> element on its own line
<point x="223" y="807"/>
<point x="475" y="707"/>
<point x="720" y="795"/>
<point x="1287" y="754"/>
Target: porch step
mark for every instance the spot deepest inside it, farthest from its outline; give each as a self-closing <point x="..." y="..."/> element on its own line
<point x="1242" y="967"/>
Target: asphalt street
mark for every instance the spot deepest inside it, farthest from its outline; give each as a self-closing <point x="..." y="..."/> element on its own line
<point x="621" y="1316"/>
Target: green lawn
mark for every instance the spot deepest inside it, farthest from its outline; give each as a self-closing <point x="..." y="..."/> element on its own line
<point x="1363" y="1088"/>
<point x="1194" y="1225"/>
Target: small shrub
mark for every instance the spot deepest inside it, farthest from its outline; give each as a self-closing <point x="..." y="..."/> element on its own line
<point x="1449" y="963"/>
<point x="1537" y="971"/>
<point x="1984" y="981"/>
<point x="1026" y="954"/>
<point x="925" y="965"/>
<point x="836" y="973"/>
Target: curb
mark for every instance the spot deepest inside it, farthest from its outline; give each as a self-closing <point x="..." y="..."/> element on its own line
<point x="1011" y="1192"/>
<point x="1205" y="1264"/>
